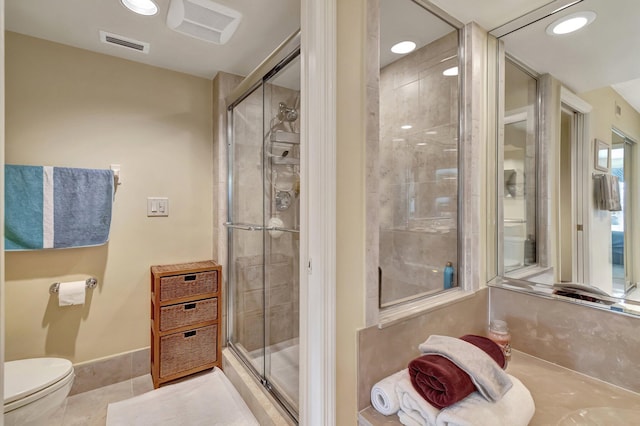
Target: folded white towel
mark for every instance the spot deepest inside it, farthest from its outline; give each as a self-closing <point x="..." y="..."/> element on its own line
<point x="383" y="394"/>
<point x="413" y="407"/>
<point x="516" y="408"/>
<point x="490" y="380"/>
<point x="407" y="420"/>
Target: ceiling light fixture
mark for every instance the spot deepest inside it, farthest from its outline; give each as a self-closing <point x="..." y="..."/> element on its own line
<point x="571" y="23"/>
<point x="403" y="47"/>
<point x="450" y="71"/>
<point x="406" y="126"/>
<point x="142" y="7"/>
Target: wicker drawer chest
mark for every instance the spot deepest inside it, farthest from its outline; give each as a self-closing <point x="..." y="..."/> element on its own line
<point x="185" y="319"/>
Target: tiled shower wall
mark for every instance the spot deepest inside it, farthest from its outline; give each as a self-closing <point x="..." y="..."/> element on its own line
<point x="253" y="129"/>
<point x="418" y="169"/>
<point x="281" y="299"/>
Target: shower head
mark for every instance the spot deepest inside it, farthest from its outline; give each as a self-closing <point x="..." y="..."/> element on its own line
<point x="286" y="113"/>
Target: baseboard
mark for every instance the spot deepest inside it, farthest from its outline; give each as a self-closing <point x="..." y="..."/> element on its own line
<point x="109" y="370"/>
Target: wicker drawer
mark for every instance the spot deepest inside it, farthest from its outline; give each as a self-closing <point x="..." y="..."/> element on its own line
<point x="177" y="286"/>
<point x="184" y="314"/>
<point x="187" y="350"/>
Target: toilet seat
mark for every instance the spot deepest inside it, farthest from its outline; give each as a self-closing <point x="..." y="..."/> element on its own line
<point x="28" y="380"/>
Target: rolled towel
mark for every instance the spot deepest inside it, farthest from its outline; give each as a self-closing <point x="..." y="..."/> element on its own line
<point x="453" y="368"/>
<point x="383" y="394"/>
<point x="439" y="380"/>
<point x="414" y="409"/>
<point x="516" y="408"/>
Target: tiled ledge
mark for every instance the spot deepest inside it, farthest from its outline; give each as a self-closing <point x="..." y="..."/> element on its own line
<point x="557" y="391"/>
<point x="107" y="371"/>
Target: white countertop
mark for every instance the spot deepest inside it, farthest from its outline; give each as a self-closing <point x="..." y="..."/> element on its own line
<point x="562" y="396"/>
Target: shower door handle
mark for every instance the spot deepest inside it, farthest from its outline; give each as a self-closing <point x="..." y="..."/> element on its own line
<point x="248" y="227"/>
<point x="244" y="226"/>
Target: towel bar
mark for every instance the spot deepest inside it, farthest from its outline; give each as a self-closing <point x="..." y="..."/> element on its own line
<point x="90" y="283"/>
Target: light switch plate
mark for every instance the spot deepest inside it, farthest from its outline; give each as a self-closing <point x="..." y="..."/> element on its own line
<point x="157" y="206"/>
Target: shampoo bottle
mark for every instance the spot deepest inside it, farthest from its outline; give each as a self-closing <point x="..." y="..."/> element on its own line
<point x="448" y="276"/>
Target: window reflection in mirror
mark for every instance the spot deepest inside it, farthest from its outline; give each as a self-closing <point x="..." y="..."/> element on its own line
<point x="418" y="148"/>
<point x="519" y="165"/>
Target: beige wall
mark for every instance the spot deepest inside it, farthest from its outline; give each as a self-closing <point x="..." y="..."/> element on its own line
<point x="350" y="203"/>
<point x="70" y="107"/>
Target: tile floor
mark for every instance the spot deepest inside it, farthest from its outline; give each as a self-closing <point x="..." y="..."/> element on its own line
<point x="90" y="408"/>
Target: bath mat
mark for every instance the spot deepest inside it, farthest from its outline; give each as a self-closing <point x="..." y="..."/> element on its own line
<point x="209" y="399"/>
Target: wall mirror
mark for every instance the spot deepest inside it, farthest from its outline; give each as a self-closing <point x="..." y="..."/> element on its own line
<point x="418" y="153"/>
<point x="568" y="198"/>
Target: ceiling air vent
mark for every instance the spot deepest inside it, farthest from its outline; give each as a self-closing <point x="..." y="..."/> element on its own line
<point x="203" y="19"/>
<point x="125" y="42"/>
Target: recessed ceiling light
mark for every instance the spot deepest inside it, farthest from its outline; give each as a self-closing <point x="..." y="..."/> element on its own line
<point x="450" y="71"/>
<point x="142" y="7"/>
<point x="406" y="126"/>
<point x="571" y="23"/>
<point x="421" y="143"/>
<point x="403" y="47"/>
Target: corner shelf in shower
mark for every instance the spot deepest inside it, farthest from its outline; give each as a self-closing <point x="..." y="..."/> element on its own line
<point x="285" y="137"/>
<point x="185" y="319"/>
<point x="285" y="161"/>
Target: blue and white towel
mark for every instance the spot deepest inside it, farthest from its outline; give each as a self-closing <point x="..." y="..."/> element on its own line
<point x="56" y="207"/>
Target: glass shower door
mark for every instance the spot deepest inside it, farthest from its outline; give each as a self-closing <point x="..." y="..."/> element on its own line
<point x="263" y="230"/>
<point x="281" y="242"/>
<point x="246" y="240"/>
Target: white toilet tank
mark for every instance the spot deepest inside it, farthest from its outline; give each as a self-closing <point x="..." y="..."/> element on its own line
<point x="34" y="388"/>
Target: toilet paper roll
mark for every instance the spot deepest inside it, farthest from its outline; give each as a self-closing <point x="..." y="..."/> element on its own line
<point x="71" y="293"/>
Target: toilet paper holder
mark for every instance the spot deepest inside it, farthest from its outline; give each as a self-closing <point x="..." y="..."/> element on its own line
<point x="90" y="283"/>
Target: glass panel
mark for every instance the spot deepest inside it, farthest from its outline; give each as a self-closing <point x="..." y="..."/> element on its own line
<point x="281" y="209"/>
<point x="519" y="169"/>
<point x="247" y="160"/>
<point x="247" y="274"/>
<point x="246" y="250"/>
<point x="418" y="148"/>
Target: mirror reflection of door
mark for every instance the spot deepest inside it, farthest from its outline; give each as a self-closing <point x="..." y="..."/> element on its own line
<point x="515" y="207"/>
<point x="571" y="260"/>
<point x="621" y="249"/>
<point x="519" y="168"/>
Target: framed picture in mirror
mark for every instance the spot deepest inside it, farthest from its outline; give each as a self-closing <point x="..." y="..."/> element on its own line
<point x="602" y="156"/>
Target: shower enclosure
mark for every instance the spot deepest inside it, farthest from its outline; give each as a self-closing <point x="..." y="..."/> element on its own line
<point x="263" y="222"/>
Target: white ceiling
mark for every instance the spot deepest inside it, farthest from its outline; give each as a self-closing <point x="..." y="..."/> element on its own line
<point x="601" y="54"/>
<point x="264" y="25"/>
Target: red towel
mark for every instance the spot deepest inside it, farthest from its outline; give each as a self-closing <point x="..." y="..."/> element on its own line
<point x="443" y="383"/>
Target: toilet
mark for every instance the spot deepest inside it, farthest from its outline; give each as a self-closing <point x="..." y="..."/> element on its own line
<point x="34" y="389"/>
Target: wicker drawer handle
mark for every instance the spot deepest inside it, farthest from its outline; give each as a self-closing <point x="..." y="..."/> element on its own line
<point x="189" y="306"/>
<point x="191" y="277"/>
<point x="190" y="333"/>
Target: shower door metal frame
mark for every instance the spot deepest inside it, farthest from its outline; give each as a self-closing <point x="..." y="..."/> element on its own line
<point x="284" y="54"/>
